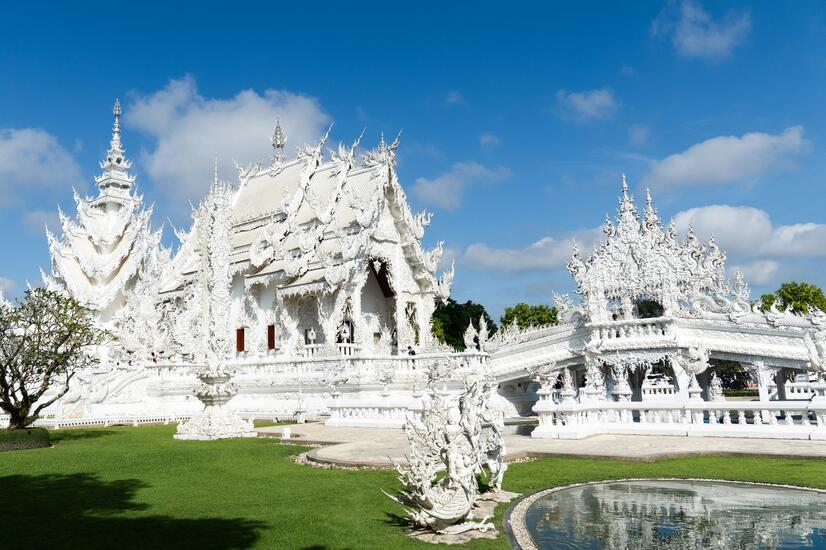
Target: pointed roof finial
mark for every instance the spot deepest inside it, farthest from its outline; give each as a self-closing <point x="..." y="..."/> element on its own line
<point x="279" y="140"/>
<point x="116" y="144"/>
<point x="115" y="165"/>
<point x="116" y="112"/>
<point x="648" y="200"/>
<point x="624" y="185"/>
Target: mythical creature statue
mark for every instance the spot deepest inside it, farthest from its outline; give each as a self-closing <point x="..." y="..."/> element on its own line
<point x="816" y="348"/>
<point x="450" y="438"/>
<point x="493" y="448"/>
<point x="695" y="359"/>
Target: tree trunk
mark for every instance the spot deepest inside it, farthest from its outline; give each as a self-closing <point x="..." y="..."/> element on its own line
<point x="19" y="420"/>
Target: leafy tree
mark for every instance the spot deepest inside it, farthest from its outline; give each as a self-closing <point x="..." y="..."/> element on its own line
<point x="732" y="375"/>
<point x="450" y="320"/>
<point x="44" y="339"/>
<point x="529" y="316"/>
<point x="798" y="297"/>
<point x="437" y="329"/>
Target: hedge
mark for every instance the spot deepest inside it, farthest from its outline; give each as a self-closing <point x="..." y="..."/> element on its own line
<point x="741" y="393"/>
<point x="27" y="438"/>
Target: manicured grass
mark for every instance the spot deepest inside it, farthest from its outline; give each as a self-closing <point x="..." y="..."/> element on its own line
<point x="138" y="488"/>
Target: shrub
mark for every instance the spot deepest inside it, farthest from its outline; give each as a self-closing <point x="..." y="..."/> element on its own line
<point x="741" y="393"/>
<point x="27" y="438"/>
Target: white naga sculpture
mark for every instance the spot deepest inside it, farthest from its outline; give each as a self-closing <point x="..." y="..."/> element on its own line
<point x="210" y="299"/>
<point x="450" y="438"/>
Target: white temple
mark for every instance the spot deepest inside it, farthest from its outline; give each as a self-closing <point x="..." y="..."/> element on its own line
<point x="330" y="287"/>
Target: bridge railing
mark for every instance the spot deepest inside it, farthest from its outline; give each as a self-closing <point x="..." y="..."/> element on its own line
<point x="767" y="419"/>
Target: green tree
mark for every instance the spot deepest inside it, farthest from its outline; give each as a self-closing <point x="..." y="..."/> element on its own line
<point x="529" y="316"/>
<point x="44" y="339"/>
<point x="798" y="297"/>
<point x="450" y="320"/>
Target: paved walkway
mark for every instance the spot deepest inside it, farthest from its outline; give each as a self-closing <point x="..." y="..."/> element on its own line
<point x="380" y="447"/>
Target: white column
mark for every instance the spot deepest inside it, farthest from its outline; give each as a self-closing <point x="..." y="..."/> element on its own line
<point x="682" y="378"/>
<point x="763" y="376"/>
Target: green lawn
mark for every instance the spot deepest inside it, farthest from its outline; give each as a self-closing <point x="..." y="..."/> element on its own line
<point x="119" y="488"/>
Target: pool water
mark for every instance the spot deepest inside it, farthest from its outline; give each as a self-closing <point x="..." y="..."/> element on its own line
<point x="663" y="514"/>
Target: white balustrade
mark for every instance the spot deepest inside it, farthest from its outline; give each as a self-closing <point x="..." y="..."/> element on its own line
<point x="372" y="413"/>
<point x="799" y="390"/>
<point x="634" y="328"/>
<point x="785" y="419"/>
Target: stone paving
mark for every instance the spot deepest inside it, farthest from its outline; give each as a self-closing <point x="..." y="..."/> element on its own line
<point x="379" y="448"/>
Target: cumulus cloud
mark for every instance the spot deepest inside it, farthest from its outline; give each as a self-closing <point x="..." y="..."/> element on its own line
<point x="727" y="159"/>
<point x="31" y="159"/>
<point x="188" y="130"/>
<point x="637" y="134"/>
<point x="448" y="259"/>
<point x="546" y="254"/>
<point x="7" y="286"/>
<point x="760" y="272"/>
<point x="695" y="34"/>
<point x="36" y="221"/>
<point x="488" y="140"/>
<point x="749" y="232"/>
<point x="446" y="191"/>
<point x="587" y="105"/>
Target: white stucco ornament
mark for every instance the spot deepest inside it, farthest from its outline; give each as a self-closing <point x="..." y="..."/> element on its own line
<point x="216" y="388"/>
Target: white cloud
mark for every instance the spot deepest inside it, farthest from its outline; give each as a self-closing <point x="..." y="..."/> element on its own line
<point x="449" y="256"/>
<point x="695" y="34"/>
<point x="749" y="232"/>
<point x="189" y="130"/>
<point x="33" y="160"/>
<point x="727" y="159"/>
<point x="7" y="286"/>
<point x="598" y="104"/>
<point x="546" y="254"/>
<point x="638" y="134"/>
<point x="489" y="140"/>
<point x="446" y="190"/>
<point x="37" y="220"/>
<point x="453" y="97"/>
<point x="760" y="272"/>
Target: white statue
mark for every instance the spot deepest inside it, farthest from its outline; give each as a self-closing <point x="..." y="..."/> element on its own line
<point x="212" y="224"/>
<point x="449" y="438"/>
<point x="715" y="388"/>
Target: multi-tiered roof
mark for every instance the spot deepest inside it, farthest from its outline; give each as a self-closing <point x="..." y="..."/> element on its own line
<point x="640" y="260"/>
<point x="102" y="251"/>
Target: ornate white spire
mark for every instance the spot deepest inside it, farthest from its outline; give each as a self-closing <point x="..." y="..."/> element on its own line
<point x="115" y="166"/>
<point x="651" y="220"/>
<point x="643" y="259"/>
<point x="627" y="211"/>
<point x="279" y="140"/>
<point x="103" y="251"/>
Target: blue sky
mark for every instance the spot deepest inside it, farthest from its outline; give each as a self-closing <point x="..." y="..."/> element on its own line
<point x="518" y="118"/>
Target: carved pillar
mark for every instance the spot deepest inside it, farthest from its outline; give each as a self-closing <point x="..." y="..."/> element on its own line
<point x="682" y="378"/>
<point x="780" y="382"/>
<point x="763" y="375"/>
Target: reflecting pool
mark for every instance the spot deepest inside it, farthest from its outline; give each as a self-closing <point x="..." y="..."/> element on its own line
<point x="678" y="514"/>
